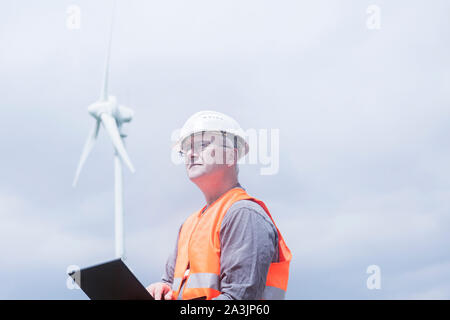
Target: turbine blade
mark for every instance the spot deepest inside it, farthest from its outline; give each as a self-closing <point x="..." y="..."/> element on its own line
<point x="104" y="91"/>
<point x="111" y="127"/>
<point x="86" y="150"/>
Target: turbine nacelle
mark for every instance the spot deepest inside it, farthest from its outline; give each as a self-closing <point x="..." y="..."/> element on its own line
<point x="124" y="114"/>
<point x="121" y="113"/>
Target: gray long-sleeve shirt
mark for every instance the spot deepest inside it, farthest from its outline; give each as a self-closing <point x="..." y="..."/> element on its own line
<point x="249" y="244"/>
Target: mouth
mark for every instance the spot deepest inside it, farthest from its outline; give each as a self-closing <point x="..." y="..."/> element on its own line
<point x="193" y="164"/>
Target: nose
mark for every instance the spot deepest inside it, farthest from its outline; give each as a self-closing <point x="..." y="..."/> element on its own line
<point x="191" y="155"/>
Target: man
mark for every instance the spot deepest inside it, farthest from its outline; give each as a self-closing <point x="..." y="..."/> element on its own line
<point x="231" y="248"/>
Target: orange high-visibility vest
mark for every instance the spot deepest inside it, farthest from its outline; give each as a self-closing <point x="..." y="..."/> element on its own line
<point x="198" y="258"/>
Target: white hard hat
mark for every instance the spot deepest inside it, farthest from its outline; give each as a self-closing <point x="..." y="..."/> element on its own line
<point x="213" y="121"/>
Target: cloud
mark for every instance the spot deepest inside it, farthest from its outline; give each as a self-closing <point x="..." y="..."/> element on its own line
<point x="428" y="282"/>
<point x="363" y="137"/>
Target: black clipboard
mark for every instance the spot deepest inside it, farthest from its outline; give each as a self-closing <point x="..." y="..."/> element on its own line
<point x="111" y="280"/>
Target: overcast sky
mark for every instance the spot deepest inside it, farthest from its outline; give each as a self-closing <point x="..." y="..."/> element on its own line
<point x="361" y="101"/>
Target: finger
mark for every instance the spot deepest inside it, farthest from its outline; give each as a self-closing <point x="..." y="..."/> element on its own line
<point x="169" y="295"/>
<point x="151" y="290"/>
<point x="157" y="293"/>
<point x="164" y="290"/>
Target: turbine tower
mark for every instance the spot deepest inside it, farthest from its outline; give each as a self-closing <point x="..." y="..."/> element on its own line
<point x="111" y="115"/>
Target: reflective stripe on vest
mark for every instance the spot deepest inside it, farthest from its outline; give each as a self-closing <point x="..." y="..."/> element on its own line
<point x="211" y="280"/>
<point x="203" y="280"/>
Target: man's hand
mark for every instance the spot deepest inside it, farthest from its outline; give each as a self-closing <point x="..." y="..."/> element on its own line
<point x="160" y="290"/>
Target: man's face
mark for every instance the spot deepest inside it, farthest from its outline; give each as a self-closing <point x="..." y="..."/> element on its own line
<point x="207" y="154"/>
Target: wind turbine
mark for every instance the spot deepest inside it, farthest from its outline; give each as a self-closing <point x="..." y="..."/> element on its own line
<point x="111" y="115"/>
